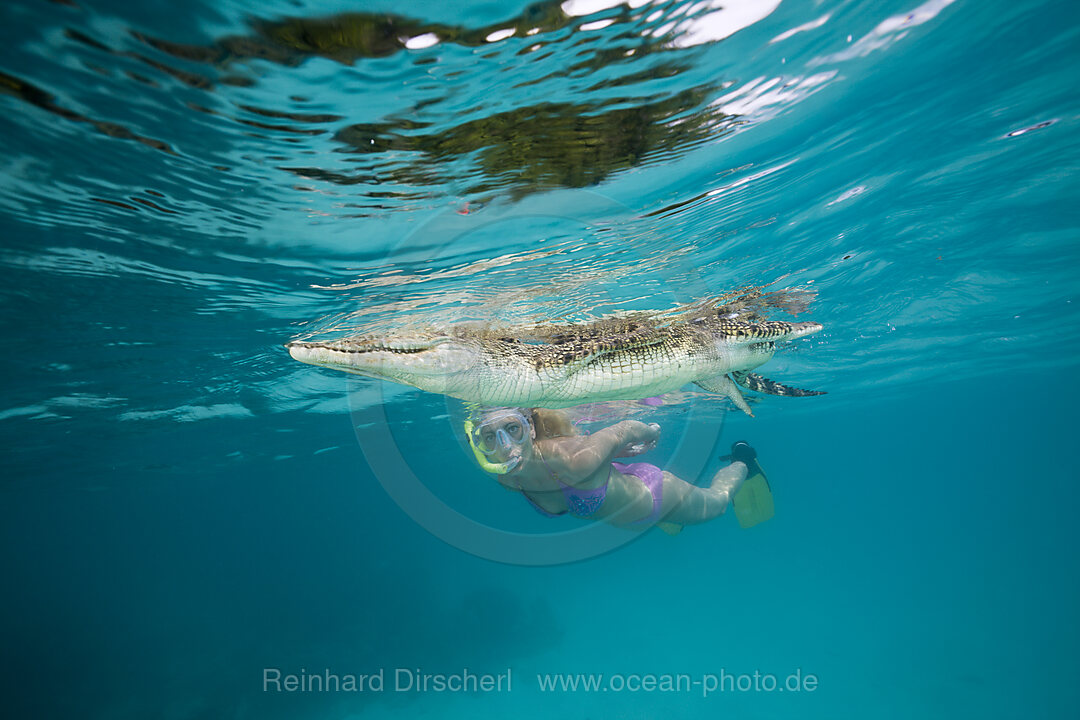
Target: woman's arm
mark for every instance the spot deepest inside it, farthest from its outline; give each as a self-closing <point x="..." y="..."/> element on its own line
<point x="584" y="454"/>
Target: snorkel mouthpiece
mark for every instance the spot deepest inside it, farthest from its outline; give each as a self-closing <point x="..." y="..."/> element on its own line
<point x="503" y="468"/>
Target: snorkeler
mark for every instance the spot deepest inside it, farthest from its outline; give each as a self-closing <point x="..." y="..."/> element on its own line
<point x="542" y="455"/>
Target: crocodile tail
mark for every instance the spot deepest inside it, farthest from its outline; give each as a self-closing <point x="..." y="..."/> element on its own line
<point x="757" y="383"/>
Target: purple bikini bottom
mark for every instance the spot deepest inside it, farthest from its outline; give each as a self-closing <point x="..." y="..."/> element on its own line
<point x="584" y="503"/>
<point x="653" y="477"/>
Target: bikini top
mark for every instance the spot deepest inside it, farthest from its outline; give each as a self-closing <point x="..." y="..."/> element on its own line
<point x="581" y="503"/>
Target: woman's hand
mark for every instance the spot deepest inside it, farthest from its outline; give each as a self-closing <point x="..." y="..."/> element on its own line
<point x="646" y="438"/>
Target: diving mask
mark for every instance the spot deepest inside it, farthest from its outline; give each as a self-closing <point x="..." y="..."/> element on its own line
<point x="500" y="431"/>
<point x="493" y="434"/>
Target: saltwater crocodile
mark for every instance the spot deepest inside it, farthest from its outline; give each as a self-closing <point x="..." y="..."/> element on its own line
<point x="628" y="357"/>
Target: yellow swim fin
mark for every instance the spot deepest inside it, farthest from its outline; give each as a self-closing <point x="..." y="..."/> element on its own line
<point x="753" y="502"/>
<point x="670" y="528"/>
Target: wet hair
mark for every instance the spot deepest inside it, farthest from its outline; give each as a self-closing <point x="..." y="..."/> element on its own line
<point x="552" y="423"/>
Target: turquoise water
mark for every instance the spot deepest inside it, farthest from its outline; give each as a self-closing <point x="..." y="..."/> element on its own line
<point x="188" y="186"/>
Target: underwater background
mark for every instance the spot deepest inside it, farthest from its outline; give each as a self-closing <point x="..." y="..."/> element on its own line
<point x="187" y="186"/>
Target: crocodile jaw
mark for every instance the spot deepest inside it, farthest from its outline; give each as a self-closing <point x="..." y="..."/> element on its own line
<point x="433" y="364"/>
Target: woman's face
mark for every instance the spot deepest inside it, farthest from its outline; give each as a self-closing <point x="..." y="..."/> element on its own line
<point x="506" y="436"/>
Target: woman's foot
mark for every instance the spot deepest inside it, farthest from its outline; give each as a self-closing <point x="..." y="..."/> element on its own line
<point x="742" y="452"/>
<point x="728" y="480"/>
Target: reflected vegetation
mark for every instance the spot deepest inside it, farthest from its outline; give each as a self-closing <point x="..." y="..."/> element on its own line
<point x="349" y="37"/>
<point x="586" y="97"/>
<point x="518" y="151"/>
<point x="538" y="147"/>
<point x="28" y="92"/>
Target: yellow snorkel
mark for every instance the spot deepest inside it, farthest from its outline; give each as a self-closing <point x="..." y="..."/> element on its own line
<point x="481" y="459"/>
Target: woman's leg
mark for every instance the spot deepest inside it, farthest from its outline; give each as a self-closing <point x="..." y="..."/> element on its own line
<point x="688" y="504"/>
